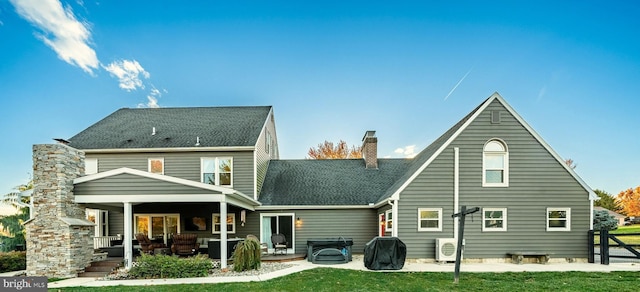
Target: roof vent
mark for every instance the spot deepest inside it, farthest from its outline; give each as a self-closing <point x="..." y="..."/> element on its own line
<point x="198" y="141"/>
<point x="153" y="131"/>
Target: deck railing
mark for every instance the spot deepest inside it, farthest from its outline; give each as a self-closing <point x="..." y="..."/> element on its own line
<point x="104" y="241"/>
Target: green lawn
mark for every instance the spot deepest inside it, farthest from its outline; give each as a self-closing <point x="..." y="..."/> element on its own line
<point x="629" y="239"/>
<point x="328" y="279"/>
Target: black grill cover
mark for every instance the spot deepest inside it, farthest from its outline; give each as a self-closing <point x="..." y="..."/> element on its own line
<point x="385" y="253"/>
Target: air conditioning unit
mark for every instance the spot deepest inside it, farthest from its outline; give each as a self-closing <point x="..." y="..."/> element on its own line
<point x="446" y="249"/>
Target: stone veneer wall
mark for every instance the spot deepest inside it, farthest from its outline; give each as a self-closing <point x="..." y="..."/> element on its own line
<point x="59" y="238"/>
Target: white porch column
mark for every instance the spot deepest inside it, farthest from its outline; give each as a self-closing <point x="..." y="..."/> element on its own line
<point x="128" y="235"/>
<point x="223" y="235"/>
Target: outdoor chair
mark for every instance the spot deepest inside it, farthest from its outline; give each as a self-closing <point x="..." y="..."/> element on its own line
<point x="146" y="245"/>
<point x="279" y="243"/>
<point x="185" y="244"/>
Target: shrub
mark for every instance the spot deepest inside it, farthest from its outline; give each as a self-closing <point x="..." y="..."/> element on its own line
<point x="13" y="261"/>
<point x="165" y="266"/>
<point x="247" y="255"/>
<point x="602" y="220"/>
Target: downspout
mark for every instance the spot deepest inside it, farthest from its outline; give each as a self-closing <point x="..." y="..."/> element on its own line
<point x="590" y="214"/>
<point x="394" y="212"/>
<point x="456" y="189"/>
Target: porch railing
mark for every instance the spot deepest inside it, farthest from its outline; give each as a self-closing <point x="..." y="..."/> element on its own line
<point x="104" y="241"/>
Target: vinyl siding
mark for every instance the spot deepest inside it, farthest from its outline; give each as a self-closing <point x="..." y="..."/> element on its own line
<point x="360" y="224"/>
<point x="536" y="181"/>
<point x="262" y="156"/>
<point x="185" y="165"/>
<point x="127" y="184"/>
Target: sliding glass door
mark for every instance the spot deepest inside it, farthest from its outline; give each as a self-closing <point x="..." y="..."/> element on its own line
<point x="281" y="223"/>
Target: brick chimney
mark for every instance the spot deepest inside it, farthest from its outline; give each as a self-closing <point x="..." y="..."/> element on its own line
<point x="370" y="149"/>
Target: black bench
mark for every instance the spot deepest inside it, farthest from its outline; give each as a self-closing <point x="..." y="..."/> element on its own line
<point x="518" y="256"/>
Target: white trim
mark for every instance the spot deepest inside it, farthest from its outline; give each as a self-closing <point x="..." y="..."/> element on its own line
<point x="420" y="219"/>
<point x="567" y="220"/>
<point x="216" y="168"/>
<point x="264" y="238"/>
<point x="505" y="163"/>
<point x="151" y="198"/>
<point x="128" y="235"/>
<point x="155" y="158"/>
<point x="314" y="207"/>
<point x="174" y="149"/>
<point x="494" y="96"/>
<point x="213" y="223"/>
<point x="388" y="222"/>
<point x="456" y="189"/>
<point x="150" y="223"/>
<point x="255" y="175"/>
<point x="504" y="220"/>
<point x="223" y="237"/>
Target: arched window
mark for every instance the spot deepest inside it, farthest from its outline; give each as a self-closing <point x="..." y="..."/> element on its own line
<point x="495" y="164"/>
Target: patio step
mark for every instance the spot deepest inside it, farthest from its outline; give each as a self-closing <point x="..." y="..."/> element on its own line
<point x="101" y="268"/>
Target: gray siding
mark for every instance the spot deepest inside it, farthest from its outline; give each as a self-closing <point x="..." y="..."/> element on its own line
<point x="359" y="224"/>
<point x="127" y="184"/>
<point x="536" y="181"/>
<point x="262" y="155"/>
<point x="184" y="165"/>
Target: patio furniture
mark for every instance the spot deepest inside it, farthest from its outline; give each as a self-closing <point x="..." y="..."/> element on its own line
<point x="146" y="245"/>
<point x="279" y="243"/>
<point x="185" y="244"/>
<point x="162" y="250"/>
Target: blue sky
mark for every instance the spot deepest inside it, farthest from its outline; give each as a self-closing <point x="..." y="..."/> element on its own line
<point x="332" y="70"/>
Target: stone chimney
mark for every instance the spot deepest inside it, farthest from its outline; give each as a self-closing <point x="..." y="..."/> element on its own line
<point x="59" y="238"/>
<point x="370" y="149"/>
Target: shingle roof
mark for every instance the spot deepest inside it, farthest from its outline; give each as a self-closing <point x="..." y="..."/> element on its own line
<point x="175" y="127"/>
<point x="328" y="182"/>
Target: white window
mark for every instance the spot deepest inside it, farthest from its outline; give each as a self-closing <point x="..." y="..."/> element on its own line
<point x="101" y="219"/>
<point x="217" y="171"/>
<point x="231" y="223"/>
<point x="495" y="164"/>
<point x="388" y="217"/>
<point x="156" y="165"/>
<point x="558" y="219"/>
<point x="494" y="219"/>
<point x="157" y="226"/>
<point x="429" y="219"/>
<point x="90" y="166"/>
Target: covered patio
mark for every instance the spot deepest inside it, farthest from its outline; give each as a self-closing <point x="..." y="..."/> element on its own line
<point x="124" y="189"/>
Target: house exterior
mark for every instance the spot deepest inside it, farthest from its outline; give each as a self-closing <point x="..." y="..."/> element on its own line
<point x="216" y="172"/>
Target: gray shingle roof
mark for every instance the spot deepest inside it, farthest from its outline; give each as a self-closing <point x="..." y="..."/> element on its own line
<point x="328" y="182"/>
<point x="344" y="181"/>
<point x="175" y="127"/>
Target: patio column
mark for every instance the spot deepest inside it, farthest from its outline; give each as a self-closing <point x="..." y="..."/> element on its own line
<point x="223" y="235"/>
<point x="128" y="235"/>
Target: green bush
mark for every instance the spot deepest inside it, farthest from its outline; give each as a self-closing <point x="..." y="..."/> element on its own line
<point x="247" y="255"/>
<point x="164" y="266"/>
<point x="13" y="261"/>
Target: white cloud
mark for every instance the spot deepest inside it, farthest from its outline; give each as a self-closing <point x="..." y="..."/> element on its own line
<point x="61" y="31"/>
<point x="407" y="151"/>
<point x="129" y="74"/>
<point x="152" y="99"/>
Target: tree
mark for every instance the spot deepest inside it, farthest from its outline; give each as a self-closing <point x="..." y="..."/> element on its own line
<point x="606" y="201"/>
<point x="327" y="150"/>
<point x="629" y="201"/>
<point x="13" y="225"/>
<point x="602" y="220"/>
